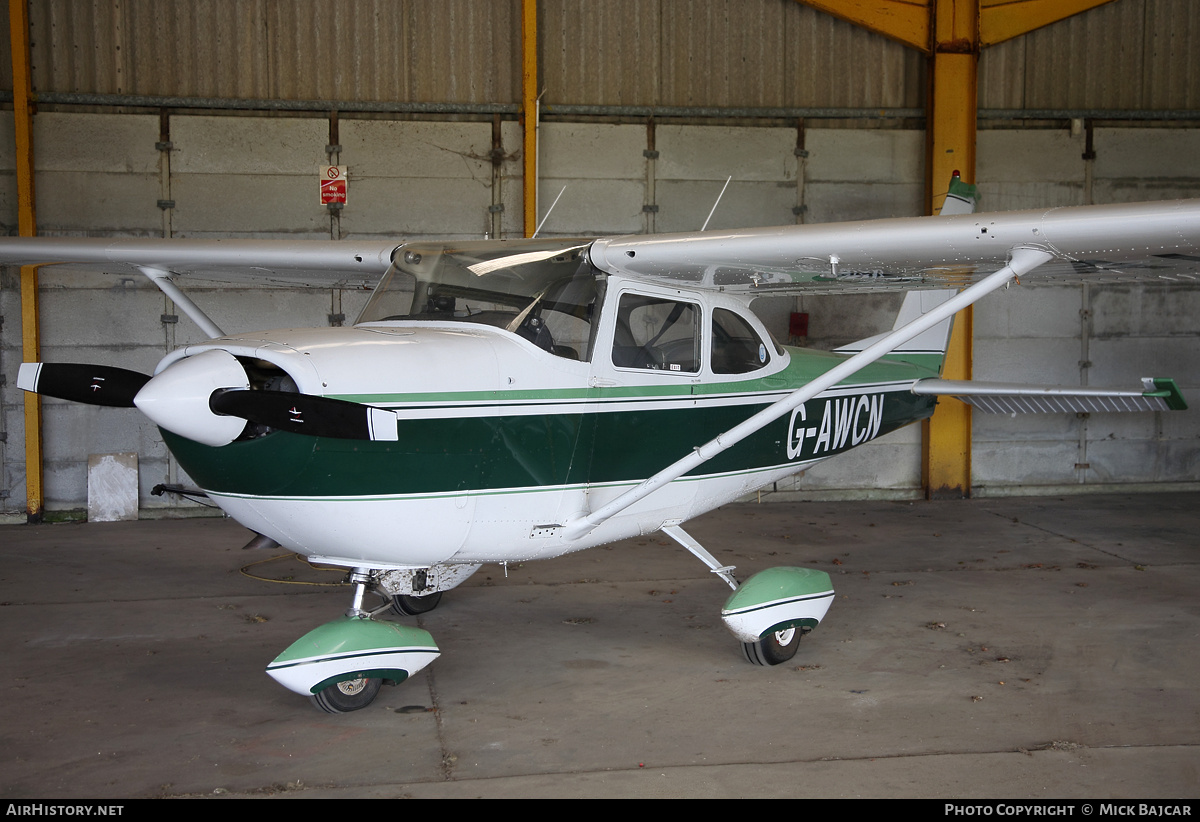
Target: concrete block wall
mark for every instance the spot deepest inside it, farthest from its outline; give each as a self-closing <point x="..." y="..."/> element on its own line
<point x="1093" y="335"/>
<point x="600" y="172"/>
<point x="105" y="175"/>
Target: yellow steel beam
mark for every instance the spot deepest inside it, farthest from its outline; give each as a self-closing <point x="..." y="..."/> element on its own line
<point x="903" y="20"/>
<point x="1001" y="20"/>
<point x="951" y="138"/>
<point x="529" y="112"/>
<point x="908" y="20"/>
<point x="952" y="104"/>
<point x="18" y="21"/>
<point x="952" y="32"/>
<point x="946" y="461"/>
<point x="949" y="32"/>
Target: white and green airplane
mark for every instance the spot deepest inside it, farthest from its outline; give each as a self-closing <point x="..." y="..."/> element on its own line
<point x="511" y="400"/>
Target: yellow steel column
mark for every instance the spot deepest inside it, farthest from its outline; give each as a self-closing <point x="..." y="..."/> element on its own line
<point x="18" y="21"/>
<point x="529" y="113"/>
<point x="952" y="32"/>
<point x="951" y="138"/>
<point x="953" y="95"/>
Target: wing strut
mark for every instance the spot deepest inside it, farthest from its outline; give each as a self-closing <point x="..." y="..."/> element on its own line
<point x="166" y="285"/>
<point x="1023" y="260"/>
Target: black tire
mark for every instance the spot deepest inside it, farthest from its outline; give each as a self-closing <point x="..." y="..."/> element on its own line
<point x="776" y="648"/>
<point x="351" y="695"/>
<point x="408" y="605"/>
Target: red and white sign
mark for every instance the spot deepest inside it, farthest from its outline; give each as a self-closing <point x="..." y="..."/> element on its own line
<point x="333" y="184"/>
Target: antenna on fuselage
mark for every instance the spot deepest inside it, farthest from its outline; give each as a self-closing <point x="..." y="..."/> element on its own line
<point x="551" y="208"/>
<point x="714" y="208"/>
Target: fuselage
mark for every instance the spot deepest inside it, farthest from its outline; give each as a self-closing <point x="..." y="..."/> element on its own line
<point x="503" y="433"/>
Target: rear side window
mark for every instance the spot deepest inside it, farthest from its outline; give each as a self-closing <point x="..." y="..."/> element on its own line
<point x="736" y="347"/>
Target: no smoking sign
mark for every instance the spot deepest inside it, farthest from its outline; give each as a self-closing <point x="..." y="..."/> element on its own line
<point x="333" y="184"/>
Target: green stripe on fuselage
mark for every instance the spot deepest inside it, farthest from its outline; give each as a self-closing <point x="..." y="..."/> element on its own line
<point x="486" y="450"/>
<point x="805" y="366"/>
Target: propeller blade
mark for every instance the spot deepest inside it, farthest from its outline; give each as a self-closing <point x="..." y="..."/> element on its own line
<point x="307" y="414"/>
<point x="80" y="382"/>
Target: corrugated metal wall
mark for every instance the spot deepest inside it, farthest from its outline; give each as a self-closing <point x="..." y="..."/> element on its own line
<point x="727" y="53"/>
<point x="1131" y="54"/>
<point x="411" y="50"/>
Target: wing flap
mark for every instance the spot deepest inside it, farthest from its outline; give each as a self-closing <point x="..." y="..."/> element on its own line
<point x="1009" y="398"/>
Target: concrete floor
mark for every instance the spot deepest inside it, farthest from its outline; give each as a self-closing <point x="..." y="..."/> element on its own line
<point x="1002" y="648"/>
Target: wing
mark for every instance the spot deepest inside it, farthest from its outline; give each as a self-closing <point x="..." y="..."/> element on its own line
<point x="1141" y="241"/>
<point x="302" y="262"/>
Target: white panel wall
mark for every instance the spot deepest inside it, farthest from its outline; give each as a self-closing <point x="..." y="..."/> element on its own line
<point x="257" y="177"/>
<point x="1098" y="335"/>
<point x="603" y="170"/>
<point x="224" y="169"/>
<point x="854" y="174"/>
<point x="411" y="179"/>
<point x="695" y="161"/>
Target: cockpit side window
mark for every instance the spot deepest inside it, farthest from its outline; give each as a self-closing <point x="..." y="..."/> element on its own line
<point x="736" y="347"/>
<point x="657" y="334"/>
<point x="567" y="314"/>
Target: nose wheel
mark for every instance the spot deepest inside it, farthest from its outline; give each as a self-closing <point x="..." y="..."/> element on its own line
<point x="409" y="605"/>
<point x="341" y="665"/>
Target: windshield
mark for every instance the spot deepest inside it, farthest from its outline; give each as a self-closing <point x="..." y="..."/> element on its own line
<point x="543" y="290"/>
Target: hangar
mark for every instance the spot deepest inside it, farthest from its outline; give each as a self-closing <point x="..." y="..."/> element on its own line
<point x="456" y="121"/>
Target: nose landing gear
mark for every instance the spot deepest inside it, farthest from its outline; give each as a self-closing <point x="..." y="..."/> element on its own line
<point x="342" y="664"/>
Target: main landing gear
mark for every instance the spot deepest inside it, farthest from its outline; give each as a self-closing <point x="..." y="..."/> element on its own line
<point x="342" y="665"/>
<point x="775" y="648"/>
<point x="771" y="610"/>
<point x="348" y="695"/>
